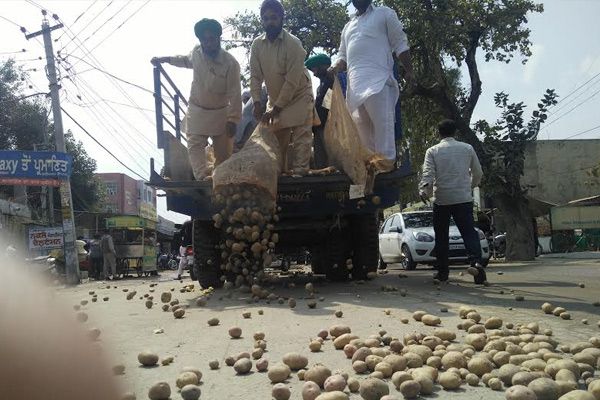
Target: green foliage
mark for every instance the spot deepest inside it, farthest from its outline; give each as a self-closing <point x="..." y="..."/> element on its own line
<point x="317" y="23"/>
<point x="505" y="143"/>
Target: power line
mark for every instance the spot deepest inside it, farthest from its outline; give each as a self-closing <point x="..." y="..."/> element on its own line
<point x="85" y="27"/>
<point x="13" y="52"/>
<point x="117" y="28"/>
<point x="581" y="133"/>
<point x="577" y="89"/>
<point x="12" y="22"/>
<point x="100" y="144"/>
<point x="107" y="73"/>
<point x="572" y="109"/>
<point x="77" y="19"/>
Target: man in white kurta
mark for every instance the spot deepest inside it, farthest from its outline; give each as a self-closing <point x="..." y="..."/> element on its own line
<point x="215" y="104"/>
<point x="370" y="41"/>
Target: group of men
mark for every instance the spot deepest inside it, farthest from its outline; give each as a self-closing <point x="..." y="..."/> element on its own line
<point x="370" y="44"/>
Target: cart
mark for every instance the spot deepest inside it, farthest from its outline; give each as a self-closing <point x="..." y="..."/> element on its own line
<point x="135" y="245"/>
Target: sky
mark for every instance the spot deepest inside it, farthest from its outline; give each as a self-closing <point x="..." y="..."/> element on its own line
<point x="121" y="36"/>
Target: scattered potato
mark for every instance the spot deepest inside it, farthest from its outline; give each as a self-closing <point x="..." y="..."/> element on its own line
<point x="213" y="322"/>
<point x="279" y="373"/>
<point x="160" y="391"/>
<point x="295" y="361"/>
<point x="235" y="332"/>
<point x="519" y="392"/>
<point x="335" y="383"/>
<point x="262" y="365"/>
<point x="317" y="374"/>
<point x="179" y="313"/>
<point x="373" y="389"/>
<point x="242" y="366"/>
<point x="214" y="364"/>
<point x="315" y="346"/>
<point x="280" y="392"/>
<point x="147" y="358"/>
<point x="544" y="389"/>
<point x="190" y="392"/>
<point x="187" y="378"/>
<point x="449" y="381"/>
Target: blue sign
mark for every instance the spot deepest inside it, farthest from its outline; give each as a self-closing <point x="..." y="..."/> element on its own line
<point x="35" y="165"/>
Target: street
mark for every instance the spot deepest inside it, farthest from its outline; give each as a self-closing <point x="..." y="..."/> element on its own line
<point x="128" y="326"/>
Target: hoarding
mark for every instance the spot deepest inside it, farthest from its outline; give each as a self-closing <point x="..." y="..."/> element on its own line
<point x="34" y="168"/>
<point x="46" y="238"/>
<point x="568" y="218"/>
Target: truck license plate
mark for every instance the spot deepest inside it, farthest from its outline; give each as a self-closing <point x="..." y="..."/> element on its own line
<point x="457" y="247"/>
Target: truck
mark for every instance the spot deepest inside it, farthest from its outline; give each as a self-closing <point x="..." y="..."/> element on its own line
<point x="317" y="214"/>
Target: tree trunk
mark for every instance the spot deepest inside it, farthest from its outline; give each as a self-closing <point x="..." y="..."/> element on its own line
<point x="519" y="235"/>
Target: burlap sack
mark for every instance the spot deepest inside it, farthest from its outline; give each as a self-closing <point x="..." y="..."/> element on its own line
<point x="345" y="150"/>
<point x="257" y="163"/>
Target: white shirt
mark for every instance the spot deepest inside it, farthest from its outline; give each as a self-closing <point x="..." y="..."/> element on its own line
<point x="367" y="43"/>
<point x="451" y="169"/>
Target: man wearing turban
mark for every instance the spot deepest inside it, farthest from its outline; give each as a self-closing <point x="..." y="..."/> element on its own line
<point x="215" y="103"/>
<point x="277" y="59"/>
<point x="318" y="65"/>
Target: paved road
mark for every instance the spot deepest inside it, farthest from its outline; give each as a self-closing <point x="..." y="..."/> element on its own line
<point x="128" y="326"/>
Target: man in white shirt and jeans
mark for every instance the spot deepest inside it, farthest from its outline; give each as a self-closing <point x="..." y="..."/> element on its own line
<point x="370" y="43"/>
<point x="450" y="171"/>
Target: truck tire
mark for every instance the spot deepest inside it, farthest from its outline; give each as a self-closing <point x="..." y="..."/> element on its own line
<point x="337" y="251"/>
<point x="206" y="266"/>
<point x="364" y="231"/>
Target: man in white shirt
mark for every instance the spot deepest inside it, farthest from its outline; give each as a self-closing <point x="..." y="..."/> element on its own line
<point x="450" y="171"/>
<point x="370" y="42"/>
<point x="182" y="260"/>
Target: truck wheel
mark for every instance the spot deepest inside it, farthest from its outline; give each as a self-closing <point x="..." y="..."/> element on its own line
<point x="365" y="244"/>
<point x="336" y="253"/>
<point x="193" y="272"/>
<point x="207" y="267"/>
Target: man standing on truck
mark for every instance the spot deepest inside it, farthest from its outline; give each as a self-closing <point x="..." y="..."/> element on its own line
<point x="215" y="104"/>
<point x="277" y="59"/>
<point x="318" y="65"/>
<point x="370" y="43"/>
<point x="450" y="171"/>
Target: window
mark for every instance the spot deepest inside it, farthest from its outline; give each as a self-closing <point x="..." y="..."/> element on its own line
<point x="111" y="188"/>
<point x="418" y="220"/>
<point x="394" y="222"/>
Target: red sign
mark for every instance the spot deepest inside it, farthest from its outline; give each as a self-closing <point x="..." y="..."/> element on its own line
<point x="30" y="182"/>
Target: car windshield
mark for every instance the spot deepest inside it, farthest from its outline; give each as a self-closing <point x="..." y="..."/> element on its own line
<point x="420" y="220"/>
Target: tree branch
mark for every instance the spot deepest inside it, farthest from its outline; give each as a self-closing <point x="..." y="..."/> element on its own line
<point x="471" y="62"/>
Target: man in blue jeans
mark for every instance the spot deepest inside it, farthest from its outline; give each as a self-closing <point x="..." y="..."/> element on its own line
<point x="450" y="171"/>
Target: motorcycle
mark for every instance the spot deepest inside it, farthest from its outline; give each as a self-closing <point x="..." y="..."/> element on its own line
<point x="497" y="245"/>
<point x="43" y="265"/>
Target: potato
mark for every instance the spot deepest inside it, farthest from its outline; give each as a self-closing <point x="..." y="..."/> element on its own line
<point x="317" y="374"/>
<point x="410" y="389"/>
<point x="343" y="340"/>
<point x="594" y="388"/>
<point x="323" y="334"/>
<point x="160" y="391"/>
<point x="187" y="378"/>
<point x="280" y="392"/>
<point x="454" y="359"/>
<point x="506" y="373"/>
<point x="295" y="361"/>
<point x="190" y="392"/>
<point x="376" y="375"/>
<point x="310" y="391"/>
<point x="235" y="332"/>
<point x="477" y="340"/>
<point x="565" y="387"/>
<point x="179" y="313"/>
<point x="431" y="320"/>
<point x="315" y="346"/>
<point x="398" y="363"/>
<point x="534" y="364"/>
<point x="335" y="383"/>
<point x="372" y="361"/>
<point x="385" y="369"/>
<point x="373" y="389"/>
<point x="242" y="366"/>
<point x="547" y="308"/>
<point x="337" y="395"/>
<point x="476" y="329"/>
<point x="552" y="368"/>
<point x="472" y="380"/>
<point x="213" y="322"/>
<point x="413" y="360"/>
<point x="495" y="384"/>
<point x="425" y="383"/>
<point x="353" y="385"/>
<point x="578" y="395"/>
<point x="501" y="358"/>
<point x="444" y="334"/>
<point x="360" y="367"/>
<point x="524" y="378"/>
<point x="480" y="366"/>
<point x="338" y="330"/>
<point x="519" y="392"/>
<point x="262" y="365"/>
<point x="493" y="323"/>
<point x="449" y="381"/>
<point x="558" y="310"/>
<point x="417" y="315"/>
<point x="147" y="358"/>
<point x="565" y="375"/>
<point x="544" y="389"/>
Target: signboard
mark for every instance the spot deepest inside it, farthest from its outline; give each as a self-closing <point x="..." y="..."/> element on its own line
<point x="34" y="168"/>
<point x="128" y="221"/>
<point x="568" y="218"/>
<point x="46" y="238"/>
<point x="148" y="211"/>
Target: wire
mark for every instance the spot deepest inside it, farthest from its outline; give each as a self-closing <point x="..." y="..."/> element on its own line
<point x="581" y="133"/>
<point x="572" y="109"/>
<point x="103" y="100"/>
<point x="13" y="52"/>
<point x="117" y="28"/>
<point x="100" y="144"/>
<point x="77" y="19"/>
<point x="108" y="73"/>
<point x="12" y="22"/>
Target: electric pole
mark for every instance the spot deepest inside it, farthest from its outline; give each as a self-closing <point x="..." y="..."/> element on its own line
<point x="66" y="201"/>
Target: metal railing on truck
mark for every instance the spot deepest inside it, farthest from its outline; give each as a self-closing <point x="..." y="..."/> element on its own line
<point x="167" y="96"/>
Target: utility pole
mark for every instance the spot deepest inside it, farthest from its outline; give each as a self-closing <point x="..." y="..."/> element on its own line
<point x="66" y="201"/>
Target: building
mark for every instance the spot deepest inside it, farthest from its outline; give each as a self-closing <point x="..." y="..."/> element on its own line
<point x="556" y="171"/>
<point x="128" y="196"/>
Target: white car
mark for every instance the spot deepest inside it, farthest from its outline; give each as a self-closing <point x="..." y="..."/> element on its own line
<point x="408" y="238"/>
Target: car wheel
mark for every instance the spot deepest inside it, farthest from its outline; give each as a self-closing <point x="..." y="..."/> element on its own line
<point x="407" y="260"/>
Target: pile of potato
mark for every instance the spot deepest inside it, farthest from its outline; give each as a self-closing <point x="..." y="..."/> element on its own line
<point x="247" y="218"/>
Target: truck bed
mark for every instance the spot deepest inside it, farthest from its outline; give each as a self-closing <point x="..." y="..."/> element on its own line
<point x="305" y="196"/>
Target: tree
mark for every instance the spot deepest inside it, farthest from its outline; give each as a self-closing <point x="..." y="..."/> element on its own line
<point x="24" y="123"/>
<point x="447" y="34"/>
<point x="317" y="23"/>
